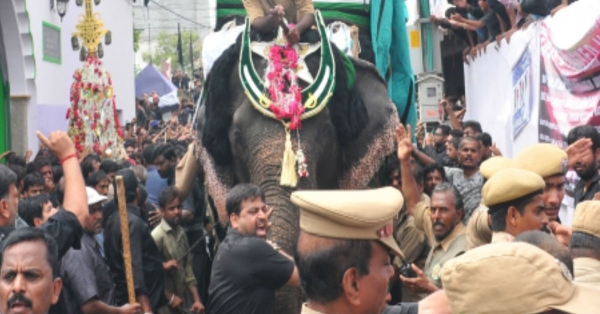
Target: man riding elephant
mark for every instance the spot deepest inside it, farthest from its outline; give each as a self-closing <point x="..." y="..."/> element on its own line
<point x="267" y="15"/>
<point x="262" y="123"/>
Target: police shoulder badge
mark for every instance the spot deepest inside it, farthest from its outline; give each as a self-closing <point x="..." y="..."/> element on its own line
<point x="435" y="272"/>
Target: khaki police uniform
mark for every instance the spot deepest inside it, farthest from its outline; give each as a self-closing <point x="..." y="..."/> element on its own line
<point x="450" y="247"/>
<point x="413" y="240"/>
<point x="546" y="160"/>
<point x="478" y="228"/>
<point x="356" y="215"/>
<point x="294" y="9"/>
<point x="507" y="185"/>
<point x="508" y="278"/>
<point x="585" y="220"/>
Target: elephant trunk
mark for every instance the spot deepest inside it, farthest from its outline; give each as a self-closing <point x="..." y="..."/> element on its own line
<point x="284" y="231"/>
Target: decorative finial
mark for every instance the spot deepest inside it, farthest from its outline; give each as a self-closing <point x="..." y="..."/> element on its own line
<point x="90" y="30"/>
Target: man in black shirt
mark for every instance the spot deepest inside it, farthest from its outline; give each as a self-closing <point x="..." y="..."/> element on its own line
<point x="87" y="284"/>
<point x="64" y="226"/>
<point x="585" y="163"/>
<point x="147" y="265"/>
<point x="248" y="269"/>
<point x="437" y="151"/>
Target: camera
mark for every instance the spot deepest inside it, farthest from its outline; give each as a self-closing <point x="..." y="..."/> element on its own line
<point x="406" y="270"/>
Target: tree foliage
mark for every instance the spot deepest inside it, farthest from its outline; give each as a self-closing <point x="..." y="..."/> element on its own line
<point x="136" y="39"/>
<point x="166" y="47"/>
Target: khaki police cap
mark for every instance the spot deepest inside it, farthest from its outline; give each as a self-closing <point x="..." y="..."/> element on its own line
<point x="510" y="184"/>
<point x="494" y="164"/>
<point x="544" y="159"/>
<point x="357" y="215"/>
<point x="509" y="278"/>
<point x="586" y="218"/>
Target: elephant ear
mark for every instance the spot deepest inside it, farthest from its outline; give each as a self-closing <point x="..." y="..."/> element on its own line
<point x="214" y="119"/>
<point x="218" y="106"/>
<point x="364" y="148"/>
<point x="349" y="115"/>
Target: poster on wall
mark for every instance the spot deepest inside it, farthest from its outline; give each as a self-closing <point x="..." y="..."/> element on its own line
<point x="570" y="82"/>
<point x="522" y="92"/>
<point x="570" y="86"/>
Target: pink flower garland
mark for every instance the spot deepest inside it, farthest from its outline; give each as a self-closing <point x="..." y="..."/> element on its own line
<point x="286" y="104"/>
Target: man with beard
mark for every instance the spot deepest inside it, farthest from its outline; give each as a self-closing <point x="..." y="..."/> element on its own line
<point x="437" y="151"/>
<point x="585" y="164"/>
<point x="248" y="269"/>
<point x="467" y="179"/>
<point x="173" y="247"/>
<point x="434" y="175"/>
<point x="514" y="199"/>
<point x="449" y="231"/>
<point x="88" y="286"/>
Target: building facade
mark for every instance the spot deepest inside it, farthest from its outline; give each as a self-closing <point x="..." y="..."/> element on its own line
<point x="37" y="64"/>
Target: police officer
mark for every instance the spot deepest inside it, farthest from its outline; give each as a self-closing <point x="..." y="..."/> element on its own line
<point x="344" y="249"/>
<point x="514" y="199"/>
<point x="548" y="161"/>
<point x="515" y="278"/>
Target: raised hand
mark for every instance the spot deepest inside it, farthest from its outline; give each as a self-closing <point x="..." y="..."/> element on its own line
<point x="495" y="150"/>
<point x="403" y="140"/>
<point x="561" y="233"/>
<point x="579" y="150"/>
<point x="58" y="142"/>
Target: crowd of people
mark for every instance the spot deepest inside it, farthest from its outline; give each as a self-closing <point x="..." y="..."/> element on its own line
<point x="480" y="22"/>
<point x="450" y="197"/>
<point x="454" y="228"/>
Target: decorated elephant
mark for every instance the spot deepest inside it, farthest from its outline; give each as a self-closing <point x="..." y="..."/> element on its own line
<point x="344" y="143"/>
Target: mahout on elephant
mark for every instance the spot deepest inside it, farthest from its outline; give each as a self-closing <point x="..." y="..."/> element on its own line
<point x="344" y="142"/>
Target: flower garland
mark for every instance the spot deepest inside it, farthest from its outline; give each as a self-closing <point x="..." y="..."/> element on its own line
<point x="286" y="96"/>
<point x="282" y="85"/>
<point x="93" y="118"/>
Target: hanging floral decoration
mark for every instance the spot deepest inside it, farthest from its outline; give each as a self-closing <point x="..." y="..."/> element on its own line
<point x="282" y="84"/>
<point x="93" y="119"/>
<point x="285" y="94"/>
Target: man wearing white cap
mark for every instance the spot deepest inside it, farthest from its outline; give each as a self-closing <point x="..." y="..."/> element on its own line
<point x="88" y="286"/>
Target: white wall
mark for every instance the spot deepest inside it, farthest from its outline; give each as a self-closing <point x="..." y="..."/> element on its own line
<point x="53" y="81"/>
<point x="489" y="91"/>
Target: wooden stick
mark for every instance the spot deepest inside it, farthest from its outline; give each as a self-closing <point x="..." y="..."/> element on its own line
<point x="125" y="237"/>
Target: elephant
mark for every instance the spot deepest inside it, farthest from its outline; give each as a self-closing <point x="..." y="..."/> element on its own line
<point x="345" y="144"/>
